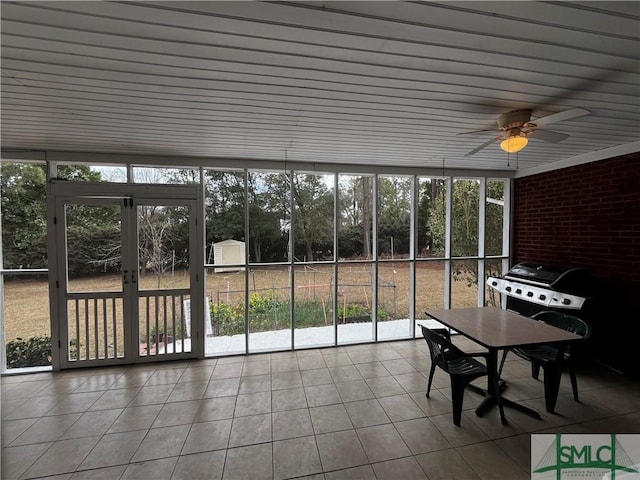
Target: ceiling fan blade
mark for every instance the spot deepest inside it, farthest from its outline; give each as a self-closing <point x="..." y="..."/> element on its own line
<point x="476" y="132"/>
<point x="548" y="135"/>
<point x="483" y="146"/>
<point x="560" y="116"/>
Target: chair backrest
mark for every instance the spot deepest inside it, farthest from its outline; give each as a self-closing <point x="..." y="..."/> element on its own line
<point x="438" y="346"/>
<point x="565" y="321"/>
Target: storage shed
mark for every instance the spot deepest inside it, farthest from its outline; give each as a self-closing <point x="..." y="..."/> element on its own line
<point x="228" y="252"/>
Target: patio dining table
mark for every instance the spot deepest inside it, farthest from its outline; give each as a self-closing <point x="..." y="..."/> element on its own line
<point x="497" y="329"/>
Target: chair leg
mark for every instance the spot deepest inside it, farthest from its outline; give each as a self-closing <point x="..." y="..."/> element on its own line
<point x="457" y="396"/>
<point x="433" y="369"/>
<point x="535" y="370"/>
<point x="574" y="382"/>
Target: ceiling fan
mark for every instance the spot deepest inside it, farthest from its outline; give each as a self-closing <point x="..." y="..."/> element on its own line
<point x="517" y="128"/>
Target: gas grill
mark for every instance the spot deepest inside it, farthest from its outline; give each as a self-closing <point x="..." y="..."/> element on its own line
<point x="530" y="288"/>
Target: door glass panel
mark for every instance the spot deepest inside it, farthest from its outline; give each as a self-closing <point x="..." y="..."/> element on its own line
<point x="164" y="301"/>
<point x="94" y="307"/>
<point x="94" y="253"/>
<point x="163" y="246"/>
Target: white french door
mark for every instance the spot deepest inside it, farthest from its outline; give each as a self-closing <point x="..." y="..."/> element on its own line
<point x="128" y="281"/>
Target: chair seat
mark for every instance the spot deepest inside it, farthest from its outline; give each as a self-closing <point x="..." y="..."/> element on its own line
<point x="541" y="353"/>
<point x="466" y="366"/>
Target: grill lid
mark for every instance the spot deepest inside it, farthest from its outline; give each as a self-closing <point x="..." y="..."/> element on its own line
<point x="562" y="279"/>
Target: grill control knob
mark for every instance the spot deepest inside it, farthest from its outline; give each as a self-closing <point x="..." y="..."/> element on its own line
<point x="508" y="289"/>
<point x="494" y="283"/>
<point x="518" y="291"/>
<point x="529" y="294"/>
<point x="566" y="301"/>
<point x="543" y="297"/>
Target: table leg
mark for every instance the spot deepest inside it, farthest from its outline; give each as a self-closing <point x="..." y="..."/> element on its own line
<point x="493" y="396"/>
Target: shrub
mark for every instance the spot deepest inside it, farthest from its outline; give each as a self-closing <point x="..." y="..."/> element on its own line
<point x="34" y="352"/>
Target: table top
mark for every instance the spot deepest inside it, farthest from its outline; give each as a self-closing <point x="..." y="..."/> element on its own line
<point x="493" y="327"/>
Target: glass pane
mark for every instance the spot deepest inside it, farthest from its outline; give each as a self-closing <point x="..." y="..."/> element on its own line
<point x="27" y="327"/>
<point x="393" y="300"/>
<point x="163" y="246"/>
<point x="94" y="253"/>
<point x="494" y="221"/>
<point x="269" y="217"/>
<point x="464" y="283"/>
<point x="354" y="303"/>
<point x="432" y="198"/>
<point x="269" y="309"/>
<point x="493" y="268"/>
<point x="394" y="217"/>
<point x="224" y="211"/>
<point x="24" y="215"/>
<point x="166" y="175"/>
<point x="355" y="217"/>
<point x="92" y="173"/>
<point x="464" y="224"/>
<point x="225" y="297"/>
<point x="430" y="278"/>
<point x="313" y="219"/>
<point x="314" y="306"/>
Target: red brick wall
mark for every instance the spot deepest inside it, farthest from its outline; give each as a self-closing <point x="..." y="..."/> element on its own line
<point x="584" y="216"/>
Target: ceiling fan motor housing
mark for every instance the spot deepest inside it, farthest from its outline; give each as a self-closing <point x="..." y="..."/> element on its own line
<point x="514" y="119"/>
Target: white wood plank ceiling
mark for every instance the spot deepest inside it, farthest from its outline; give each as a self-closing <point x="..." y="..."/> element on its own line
<point x="362" y="83"/>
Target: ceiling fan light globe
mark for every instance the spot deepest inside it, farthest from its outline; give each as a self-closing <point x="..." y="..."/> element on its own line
<point x="514" y="144"/>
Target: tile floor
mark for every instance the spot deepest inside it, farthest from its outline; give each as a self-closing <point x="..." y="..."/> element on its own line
<point x="355" y="412"/>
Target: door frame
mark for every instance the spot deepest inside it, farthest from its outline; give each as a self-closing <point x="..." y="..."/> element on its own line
<point x="60" y="191"/>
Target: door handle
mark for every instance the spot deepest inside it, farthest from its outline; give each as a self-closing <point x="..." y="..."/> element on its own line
<point x="124" y="277"/>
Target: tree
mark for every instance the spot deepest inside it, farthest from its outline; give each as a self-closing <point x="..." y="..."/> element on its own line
<point x="313" y="220"/>
<point x="24" y="219"/>
<point x="224" y="205"/>
<point x="355" y="229"/>
<point x="394" y="207"/>
<point x="24" y="216"/>
<point x="269" y="216"/>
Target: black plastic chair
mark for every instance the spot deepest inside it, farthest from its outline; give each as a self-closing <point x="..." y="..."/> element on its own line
<point x="553" y="357"/>
<point x="461" y="367"/>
